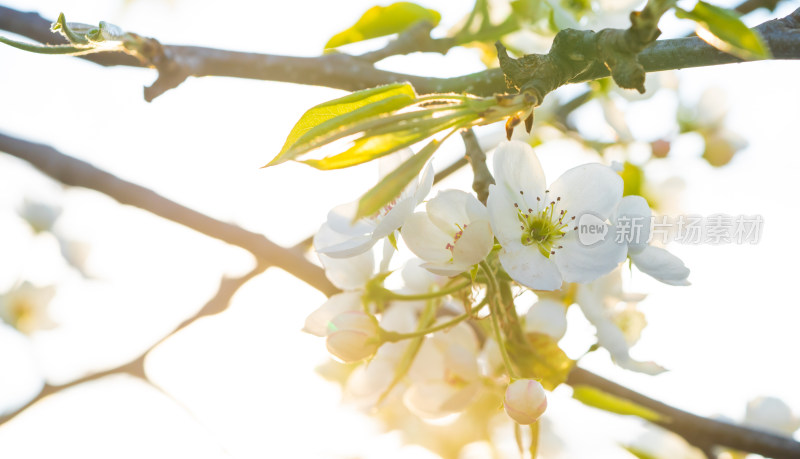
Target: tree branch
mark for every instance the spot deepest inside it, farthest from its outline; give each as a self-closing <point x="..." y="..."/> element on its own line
<point x="74" y="172"/>
<point x="217" y="304"/>
<point x="693" y="427"/>
<point x="352" y="73"/>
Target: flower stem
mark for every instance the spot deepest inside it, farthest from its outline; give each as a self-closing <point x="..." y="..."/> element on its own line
<point x="426" y="296"/>
<point x="492" y="293"/>
<point x="392" y="337"/>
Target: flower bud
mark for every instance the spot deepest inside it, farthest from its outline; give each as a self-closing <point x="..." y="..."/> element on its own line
<point x="525" y="401"/>
<point x="352" y="336"/>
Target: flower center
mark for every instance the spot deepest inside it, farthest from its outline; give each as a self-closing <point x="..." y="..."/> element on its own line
<point x="456" y="237"/>
<point x="545" y="225"/>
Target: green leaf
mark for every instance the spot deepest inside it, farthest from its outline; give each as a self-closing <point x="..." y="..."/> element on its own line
<point x="379" y="21"/>
<point x="611" y="403"/>
<point x="723" y="29"/>
<point x="377" y="144"/>
<point x="395" y="182"/>
<point x="332" y="116"/>
<point x="638" y="452"/>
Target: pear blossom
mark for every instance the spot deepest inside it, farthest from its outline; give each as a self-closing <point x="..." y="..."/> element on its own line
<point x="361" y="235"/>
<point x="452" y="235"/>
<point x="548" y="317"/>
<point x="352" y="336"/>
<point x="40" y="215"/>
<point x="445" y="376"/>
<point x="24" y="307"/>
<point x="771" y="414"/>
<point x="537" y="227"/>
<point x="525" y="401"/>
<point x="617" y="328"/>
<point x="634" y="214"/>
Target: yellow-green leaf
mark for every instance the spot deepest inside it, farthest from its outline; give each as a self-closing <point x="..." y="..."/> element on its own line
<point x="605" y="401"/>
<point x="394" y="182"/>
<point x="379" y="21"/>
<point x="371" y="147"/>
<point x="338" y="113"/>
<point x="723" y="29"/>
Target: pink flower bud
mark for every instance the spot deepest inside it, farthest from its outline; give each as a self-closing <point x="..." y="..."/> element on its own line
<point x="352" y="336"/>
<point x="525" y="401"/>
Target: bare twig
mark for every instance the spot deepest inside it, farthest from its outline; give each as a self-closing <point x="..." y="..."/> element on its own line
<point x="352" y="73"/>
<point x="217" y="304"/>
<point x="74" y="172"/>
<point x="482" y="178"/>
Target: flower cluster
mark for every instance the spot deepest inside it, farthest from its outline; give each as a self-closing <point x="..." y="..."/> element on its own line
<point x="427" y="344"/>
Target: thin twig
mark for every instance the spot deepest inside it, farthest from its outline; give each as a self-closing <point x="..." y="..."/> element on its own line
<point x="217" y="304"/>
<point x="482" y="178"/>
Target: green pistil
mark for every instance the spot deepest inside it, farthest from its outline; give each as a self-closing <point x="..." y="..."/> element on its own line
<point x="542" y="228"/>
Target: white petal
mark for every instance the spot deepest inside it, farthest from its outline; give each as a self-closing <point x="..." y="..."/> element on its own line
<point x="582" y="263"/>
<point x="346" y="273"/>
<point x="548" y="317"/>
<point x="530" y="268"/>
<point x="357" y="245"/>
<point x="449" y="209"/>
<point x="340" y="218"/>
<point x="395" y="218"/>
<point x="474" y="245"/>
<point x="317" y="321"/>
<point x="503" y="216"/>
<point x="417" y="279"/>
<point x="516" y="168"/>
<point x="590" y="188"/>
<point x="632" y="217"/>
<point x="425" y="239"/>
<point x="425" y="184"/>
<point x="661" y="265"/>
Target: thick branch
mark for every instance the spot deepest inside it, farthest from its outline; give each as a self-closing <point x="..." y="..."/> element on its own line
<point x="74" y="172"/>
<point x="352" y="73"/>
<point x="693" y="427"/>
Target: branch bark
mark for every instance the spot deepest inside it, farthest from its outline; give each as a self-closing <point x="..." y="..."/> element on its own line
<point x="353" y="73"/>
<point x="74" y="172"/>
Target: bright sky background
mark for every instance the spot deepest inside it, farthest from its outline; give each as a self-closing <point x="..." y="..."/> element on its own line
<point x="243" y="382"/>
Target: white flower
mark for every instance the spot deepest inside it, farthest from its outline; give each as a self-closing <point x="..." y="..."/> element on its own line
<point x="537" y="227"/>
<point x="40" y="215"/>
<point x="548" y="317"/>
<point x="452" y="235"/>
<point x="600" y="301"/>
<point x="444" y="376"/>
<point x="772" y="414"/>
<point x="525" y="401"/>
<point x="362" y="234"/>
<point x="632" y="221"/>
<point x="24" y="307"/>
<point x="352" y="336"/>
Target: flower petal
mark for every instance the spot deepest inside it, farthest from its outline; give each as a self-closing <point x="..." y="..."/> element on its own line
<point x="589" y="188"/>
<point x="425" y="239"/>
<point x="449" y="209"/>
<point x="474" y="245"/>
<point x="585" y="263"/>
<point x="317" y="321"/>
<point x="340" y="218"/>
<point x="346" y="273"/>
<point x="503" y="216"/>
<point x="632" y="217"/>
<point x="530" y="268"/>
<point x="394" y="218"/>
<point x="516" y="168"/>
<point x="661" y="265"/>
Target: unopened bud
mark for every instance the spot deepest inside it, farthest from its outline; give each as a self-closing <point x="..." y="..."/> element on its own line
<point x="352" y="336"/>
<point x="525" y="401"/>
